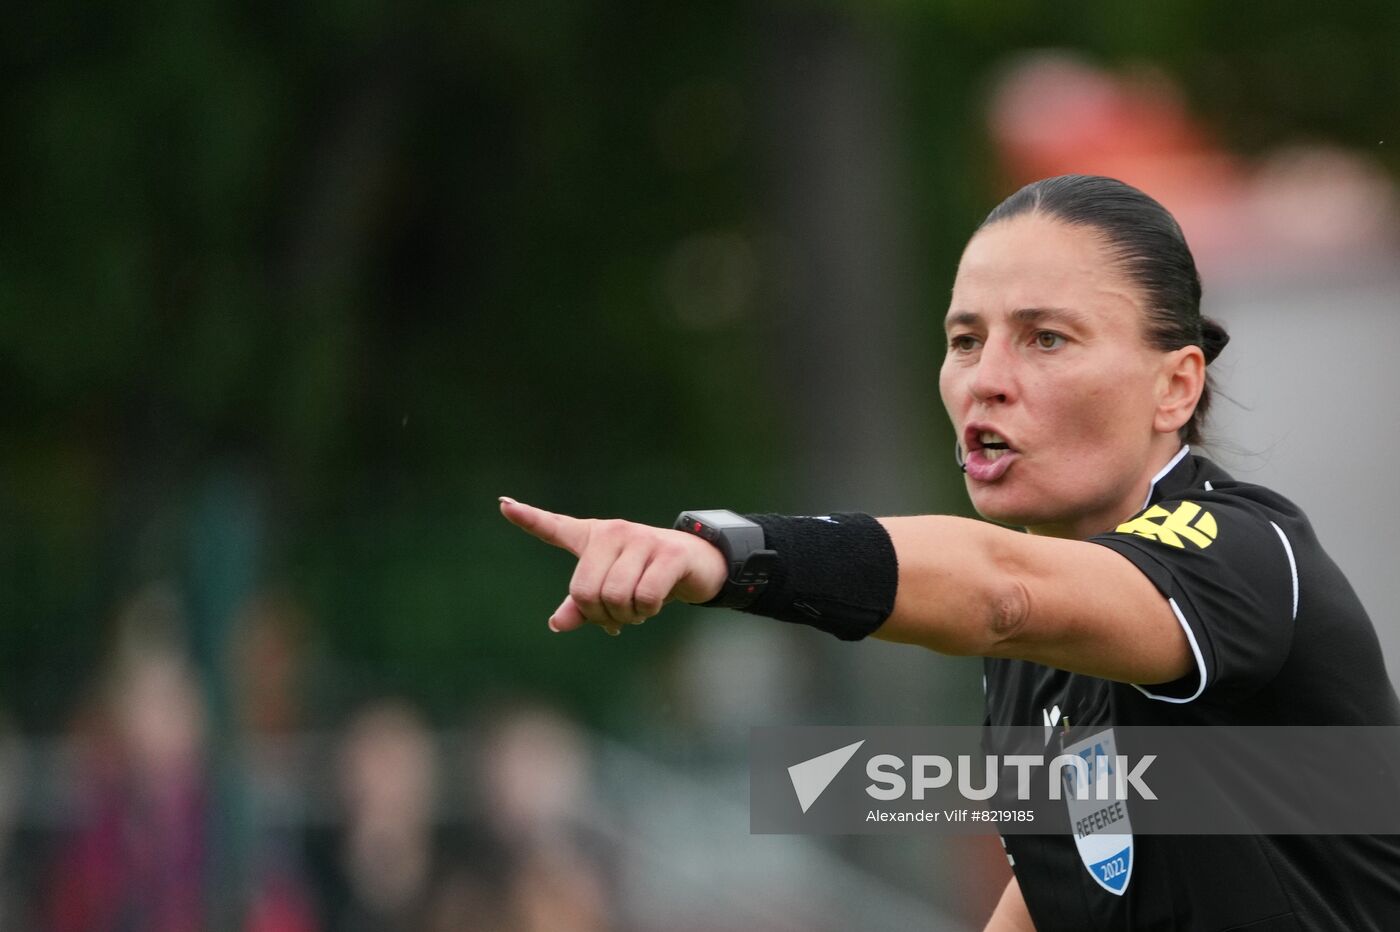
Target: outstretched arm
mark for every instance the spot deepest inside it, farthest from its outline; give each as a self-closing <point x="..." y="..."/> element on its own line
<point x="969" y="587"/>
<point x="965" y="587"/>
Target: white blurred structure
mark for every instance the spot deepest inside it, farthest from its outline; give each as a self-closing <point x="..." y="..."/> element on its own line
<point x="1312" y="370"/>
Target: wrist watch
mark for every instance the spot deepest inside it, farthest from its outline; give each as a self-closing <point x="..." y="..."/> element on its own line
<point x="742" y="543"/>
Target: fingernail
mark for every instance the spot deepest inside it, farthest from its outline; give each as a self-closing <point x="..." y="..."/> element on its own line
<point x="552" y="626"/>
<point x="614" y="631"/>
<point x="507" y="500"/>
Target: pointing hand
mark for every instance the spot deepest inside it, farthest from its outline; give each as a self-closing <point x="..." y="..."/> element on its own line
<point x="626" y="571"/>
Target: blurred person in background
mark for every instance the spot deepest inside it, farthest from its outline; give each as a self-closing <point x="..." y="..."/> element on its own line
<point x="270" y="676"/>
<point x="139" y="857"/>
<point x="388" y="858"/>
<point x="534" y="778"/>
<point x="1151" y="589"/>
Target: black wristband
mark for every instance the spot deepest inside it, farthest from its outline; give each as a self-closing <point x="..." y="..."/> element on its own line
<point x="836" y="573"/>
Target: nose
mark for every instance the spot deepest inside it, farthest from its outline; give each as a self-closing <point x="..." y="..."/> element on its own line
<point x="994" y="377"/>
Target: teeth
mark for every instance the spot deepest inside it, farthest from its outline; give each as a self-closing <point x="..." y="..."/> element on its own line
<point x="993" y="454"/>
<point x="988" y="437"/>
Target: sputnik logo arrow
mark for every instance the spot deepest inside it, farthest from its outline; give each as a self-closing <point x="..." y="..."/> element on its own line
<point x="811" y="777"/>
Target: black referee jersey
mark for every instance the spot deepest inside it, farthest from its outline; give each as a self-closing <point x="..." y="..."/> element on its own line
<point x="1278" y="637"/>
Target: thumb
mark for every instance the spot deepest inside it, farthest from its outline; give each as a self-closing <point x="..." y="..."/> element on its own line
<point x="559" y="530"/>
<point x="567" y="616"/>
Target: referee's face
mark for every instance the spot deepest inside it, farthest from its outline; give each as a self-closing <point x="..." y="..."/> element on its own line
<point x="1050" y="383"/>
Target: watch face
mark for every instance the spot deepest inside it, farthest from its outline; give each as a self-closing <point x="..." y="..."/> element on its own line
<point x="721" y="519"/>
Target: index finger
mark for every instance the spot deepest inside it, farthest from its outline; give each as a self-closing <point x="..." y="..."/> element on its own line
<point x="559" y="530"/>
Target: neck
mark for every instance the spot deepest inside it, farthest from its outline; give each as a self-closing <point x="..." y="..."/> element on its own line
<point x="1082" y="527"/>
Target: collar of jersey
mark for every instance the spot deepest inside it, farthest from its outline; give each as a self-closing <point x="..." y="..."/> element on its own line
<point x="1174" y="476"/>
<point x="1186" y="472"/>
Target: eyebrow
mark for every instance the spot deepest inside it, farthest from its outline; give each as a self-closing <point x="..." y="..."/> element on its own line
<point x="1022" y="315"/>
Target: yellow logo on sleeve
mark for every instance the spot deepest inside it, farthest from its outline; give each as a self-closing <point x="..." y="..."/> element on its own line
<point x="1189" y="522"/>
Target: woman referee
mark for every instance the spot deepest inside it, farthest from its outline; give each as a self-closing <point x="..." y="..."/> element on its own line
<point x="1151" y="589"/>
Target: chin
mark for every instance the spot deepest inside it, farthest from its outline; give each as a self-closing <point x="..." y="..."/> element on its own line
<point x="1020" y="514"/>
<point x="1002" y="510"/>
<point x="1053" y="501"/>
<point x="1019" y="521"/>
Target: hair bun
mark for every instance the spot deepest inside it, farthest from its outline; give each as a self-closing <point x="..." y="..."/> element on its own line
<point x="1213" y="339"/>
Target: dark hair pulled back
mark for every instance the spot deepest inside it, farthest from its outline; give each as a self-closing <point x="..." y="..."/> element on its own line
<point x="1148" y="244"/>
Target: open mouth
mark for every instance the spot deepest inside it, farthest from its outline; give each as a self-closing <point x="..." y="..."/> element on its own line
<point x="989" y="454"/>
<point x="992" y="445"/>
<point x="989" y="443"/>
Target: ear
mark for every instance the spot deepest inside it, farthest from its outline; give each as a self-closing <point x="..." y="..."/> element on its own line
<point x="1180" y="382"/>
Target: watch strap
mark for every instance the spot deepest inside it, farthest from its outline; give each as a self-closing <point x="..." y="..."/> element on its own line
<point x="742" y="543"/>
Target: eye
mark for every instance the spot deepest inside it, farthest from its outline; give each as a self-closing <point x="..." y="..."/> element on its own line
<point x="962" y="343"/>
<point x="1049" y="340"/>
